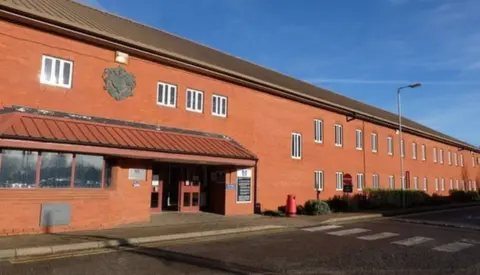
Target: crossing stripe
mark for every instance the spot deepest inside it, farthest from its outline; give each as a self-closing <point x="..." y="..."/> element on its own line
<point x="348" y="232"/>
<point x="413" y="241"/>
<point x="378" y="236"/>
<point x="322" y="228"/>
<point x="453" y="247"/>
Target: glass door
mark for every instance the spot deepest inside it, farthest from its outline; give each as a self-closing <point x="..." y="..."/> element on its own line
<point x="190" y="190"/>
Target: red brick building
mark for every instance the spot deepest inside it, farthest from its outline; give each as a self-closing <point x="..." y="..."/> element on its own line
<point x="104" y="120"/>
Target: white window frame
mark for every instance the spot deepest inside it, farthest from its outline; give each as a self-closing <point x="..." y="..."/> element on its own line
<point x="360" y="182"/>
<point x="455" y="159"/>
<point x="374" y="142"/>
<point x="319" y="180"/>
<point x="318" y="130"/>
<point x="390" y="146"/>
<point x="424" y="152"/>
<point x="456" y="185"/>
<point x="442" y="184"/>
<point x="414" y="150"/>
<point x="415" y="183"/>
<point x="474" y="182"/>
<point x="338" y="135"/>
<point x="194" y="101"/>
<point x="296" y="146"/>
<point x="449" y="156"/>
<point x="404" y="183"/>
<point x="218" y="105"/>
<point x="53" y="81"/>
<point x="375" y="181"/>
<point x="435" y="154"/>
<point x="339" y="181"/>
<point x="402" y="148"/>
<point x="359" y="139"/>
<point x="440" y="151"/>
<point x="166" y="95"/>
<point x="451" y="184"/>
<point x="462" y="185"/>
<point x="391" y="182"/>
<point x="436" y="184"/>
<point x="425" y="184"/>
<point x="473" y="161"/>
<point x="461" y="160"/>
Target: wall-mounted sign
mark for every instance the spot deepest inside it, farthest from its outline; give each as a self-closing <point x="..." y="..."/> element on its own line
<point x="230" y="186"/>
<point x="244" y="185"/>
<point x="155" y="180"/>
<point x="119" y="83"/>
<point x="137" y="174"/>
<point x="136" y="184"/>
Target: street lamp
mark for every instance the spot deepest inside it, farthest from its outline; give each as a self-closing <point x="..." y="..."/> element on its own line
<point x="403" y="180"/>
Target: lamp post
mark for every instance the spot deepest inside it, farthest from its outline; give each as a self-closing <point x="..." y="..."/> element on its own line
<point x="403" y="180"/>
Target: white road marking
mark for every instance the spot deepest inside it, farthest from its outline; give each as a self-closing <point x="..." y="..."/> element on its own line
<point x="413" y="241"/>
<point x="322" y="228"/>
<point x="378" y="236"/>
<point x="348" y="232"/>
<point x="453" y="247"/>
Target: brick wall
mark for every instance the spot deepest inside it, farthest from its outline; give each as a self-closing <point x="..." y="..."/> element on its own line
<point x="261" y="122"/>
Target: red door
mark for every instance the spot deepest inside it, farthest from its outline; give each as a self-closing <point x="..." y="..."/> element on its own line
<point x="189" y="190"/>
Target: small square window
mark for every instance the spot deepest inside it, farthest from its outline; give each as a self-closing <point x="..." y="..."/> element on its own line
<point x="219" y="105"/>
<point x="56" y="72"/>
<point x="194" y="101"/>
<point x="166" y="94"/>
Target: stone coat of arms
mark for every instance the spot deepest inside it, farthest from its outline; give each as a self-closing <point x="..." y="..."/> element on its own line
<point x="119" y="83"/>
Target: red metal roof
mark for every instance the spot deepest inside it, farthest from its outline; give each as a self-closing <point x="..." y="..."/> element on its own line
<point x="84" y="130"/>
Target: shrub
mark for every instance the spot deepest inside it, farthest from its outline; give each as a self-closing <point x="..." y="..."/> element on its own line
<point x="316" y="207"/>
<point x="273" y="213"/>
<point x="338" y="203"/>
<point x="462" y="196"/>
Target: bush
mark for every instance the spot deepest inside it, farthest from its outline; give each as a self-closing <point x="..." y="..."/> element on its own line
<point x="388" y="199"/>
<point x="273" y="213"/>
<point x="338" y="203"/>
<point x="316" y="207"/>
<point x="462" y="196"/>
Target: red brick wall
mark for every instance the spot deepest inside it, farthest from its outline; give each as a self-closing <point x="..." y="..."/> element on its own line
<point x="261" y="122"/>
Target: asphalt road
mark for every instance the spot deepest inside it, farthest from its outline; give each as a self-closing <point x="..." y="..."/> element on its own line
<point x="377" y="247"/>
<point x="461" y="216"/>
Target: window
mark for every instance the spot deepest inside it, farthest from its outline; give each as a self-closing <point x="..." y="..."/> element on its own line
<point x="18" y="169"/>
<point x="374" y="142"/>
<point x="318" y="129"/>
<point x="442" y="184"/>
<point x="166" y="94"/>
<point x="441" y="156"/>
<point x="461" y="160"/>
<point x="219" y="105"/>
<point x="402" y="148"/>
<point x="414" y="150"/>
<point x="359" y="139"/>
<point x="390" y="145"/>
<point x="434" y="154"/>
<point x="391" y="182"/>
<point x="425" y="184"/>
<point x="449" y="157"/>
<point x="474" y="185"/>
<point x="404" y="186"/>
<point x="436" y="184"/>
<point x="473" y="161"/>
<point x="56" y="72"/>
<point x="456" y="184"/>
<point x="360" y="182"/>
<point x="56" y="170"/>
<point x="339" y="177"/>
<point x="469" y="185"/>
<point x="424" y="152"/>
<point x="338" y="135"/>
<point x="462" y="185"/>
<point x="455" y="159"/>
<point x="88" y="171"/>
<point x="296" y="146"/>
<point x="415" y="183"/>
<point x="194" y="101"/>
<point x="319" y="180"/>
<point x="376" y="183"/>
<point x="451" y="184"/>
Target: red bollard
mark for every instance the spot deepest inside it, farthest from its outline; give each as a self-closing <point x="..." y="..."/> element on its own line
<point x="291" y="208"/>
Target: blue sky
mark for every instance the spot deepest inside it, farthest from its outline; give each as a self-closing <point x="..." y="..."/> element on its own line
<point x="362" y="49"/>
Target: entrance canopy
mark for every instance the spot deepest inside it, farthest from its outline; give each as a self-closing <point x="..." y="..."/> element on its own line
<point x="46" y="130"/>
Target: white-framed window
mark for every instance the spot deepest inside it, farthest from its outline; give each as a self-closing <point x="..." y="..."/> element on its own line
<point x="402" y="148"/>
<point x="434" y="154"/>
<point x="449" y="156"/>
<point x="219" y="105"/>
<point x="441" y="156"/>
<point x="474" y="185"/>
<point x="442" y="184"/>
<point x="461" y="160"/>
<point x="56" y="72"/>
<point x="415" y="183"/>
<point x="338" y="135"/>
<point x="374" y="142"/>
<point x="360" y="182"/>
<point x="194" y="101"/>
<point x="390" y="145"/>
<point x="339" y="180"/>
<point x="469" y="185"/>
<point x="319" y="180"/>
<point x="318" y="130"/>
<point x="359" y="139"/>
<point x="404" y="185"/>
<point x="424" y="152"/>
<point x="451" y="184"/>
<point x="391" y="182"/>
<point x="473" y="161"/>
<point x="414" y="150"/>
<point x="462" y="185"/>
<point x="456" y="184"/>
<point x="425" y="184"/>
<point x="436" y="184"/>
<point x="166" y="94"/>
<point x="455" y="159"/>
<point x="376" y="181"/>
<point x="296" y="146"/>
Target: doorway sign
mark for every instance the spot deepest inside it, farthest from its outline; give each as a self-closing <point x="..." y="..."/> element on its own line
<point x="244" y="186"/>
<point x="347" y="184"/>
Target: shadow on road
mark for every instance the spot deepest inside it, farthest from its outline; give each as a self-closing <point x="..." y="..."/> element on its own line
<point x="170" y="256"/>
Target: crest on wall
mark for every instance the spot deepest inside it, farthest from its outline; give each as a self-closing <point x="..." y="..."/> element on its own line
<point x="119" y="83"/>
